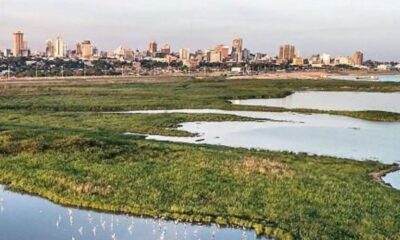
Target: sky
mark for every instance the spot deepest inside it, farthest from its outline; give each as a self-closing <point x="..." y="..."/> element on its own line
<point x="338" y="27"/>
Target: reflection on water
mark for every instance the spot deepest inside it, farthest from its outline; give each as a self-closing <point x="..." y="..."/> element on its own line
<point x="24" y="217"/>
<point x="346" y="101"/>
<point x="393" y="179"/>
<point x="320" y="134"/>
<point x="379" y="78"/>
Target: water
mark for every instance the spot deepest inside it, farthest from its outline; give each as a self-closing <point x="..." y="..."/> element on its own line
<point x="320" y="134"/>
<point x="393" y="179"/>
<point x="379" y="78"/>
<point x="24" y="217"/>
<point x="346" y="101"/>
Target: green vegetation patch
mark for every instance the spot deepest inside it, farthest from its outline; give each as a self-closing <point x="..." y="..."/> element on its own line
<point x="56" y="143"/>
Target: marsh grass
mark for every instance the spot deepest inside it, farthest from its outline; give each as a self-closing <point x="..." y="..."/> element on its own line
<point x="55" y="143"/>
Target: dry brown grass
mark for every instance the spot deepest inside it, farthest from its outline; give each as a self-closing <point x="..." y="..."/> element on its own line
<point x="266" y="167"/>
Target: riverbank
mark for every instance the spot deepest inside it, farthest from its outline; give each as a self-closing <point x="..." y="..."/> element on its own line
<point x="180" y="94"/>
<point x="378" y="176"/>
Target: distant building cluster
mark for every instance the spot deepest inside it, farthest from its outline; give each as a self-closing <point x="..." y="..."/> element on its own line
<point x="219" y="54"/>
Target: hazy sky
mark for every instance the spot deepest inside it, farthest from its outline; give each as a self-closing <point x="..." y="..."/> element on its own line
<point x="338" y="27"/>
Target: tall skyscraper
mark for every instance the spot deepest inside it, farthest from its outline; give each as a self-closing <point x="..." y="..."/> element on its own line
<point x="237" y="45"/>
<point x="184" y="54"/>
<point x="49" y="48"/>
<point x="358" y="58"/>
<point x="59" y="48"/>
<point x="18" y="44"/>
<point x="237" y="50"/>
<point x="287" y="53"/>
<point x="78" y="50"/>
<point x="152" y="47"/>
<point x="87" y="50"/>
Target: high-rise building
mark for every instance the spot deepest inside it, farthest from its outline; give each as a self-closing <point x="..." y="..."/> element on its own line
<point x="152" y="47"/>
<point x="184" y="54"/>
<point x="18" y="44"/>
<point x="86" y="48"/>
<point x="220" y="48"/>
<point x="287" y="53"/>
<point x="49" y="48"/>
<point x="214" y="56"/>
<point x="237" y="50"/>
<point x="59" y="48"/>
<point x="25" y="52"/>
<point x="78" y="50"/>
<point x="166" y="49"/>
<point x="358" y="58"/>
<point x="237" y="45"/>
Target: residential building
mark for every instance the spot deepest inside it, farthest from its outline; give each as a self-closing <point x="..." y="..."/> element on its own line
<point x="59" y="48"/>
<point x="237" y="45"/>
<point x="358" y="58"/>
<point x="86" y="50"/>
<point x="184" y="54"/>
<point x="152" y="48"/>
<point x="214" y="56"/>
<point x="166" y="49"/>
<point x="18" y="44"/>
<point x="299" y="61"/>
<point x="224" y="50"/>
<point x="325" y="59"/>
<point x="342" y="60"/>
<point x="49" y="48"/>
<point x="287" y="53"/>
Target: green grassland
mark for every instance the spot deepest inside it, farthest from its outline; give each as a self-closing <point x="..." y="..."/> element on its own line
<point x="56" y="143"/>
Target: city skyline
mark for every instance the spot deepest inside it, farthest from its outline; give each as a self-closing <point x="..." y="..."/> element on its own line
<point x="312" y="28"/>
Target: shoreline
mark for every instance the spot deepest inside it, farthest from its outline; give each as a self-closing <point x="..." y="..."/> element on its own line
<point x="378" y="176"/>
<point x="262" y="227"/>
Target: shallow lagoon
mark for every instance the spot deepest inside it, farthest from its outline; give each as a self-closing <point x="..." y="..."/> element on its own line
<point x="340" y="101"/>
<point x="320" y="134"/>
<point x="25" y="217"/>
<point x="379" y="78"/>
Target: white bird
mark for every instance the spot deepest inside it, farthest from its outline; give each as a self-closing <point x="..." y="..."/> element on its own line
<point x="103" y="225"/>
<point x="113" y="237"/>
<point x="69" y="212"/>
<point x="130" y="229"/>
<point x="94" y="231"/>
<point x="80" y="230"/>
<point x="90" y="218"/>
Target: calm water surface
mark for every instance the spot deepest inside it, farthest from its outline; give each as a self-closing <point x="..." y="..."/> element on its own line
<point x="380" y="78"/>
<point x="320" y="134"/>
<point x="346" y="101"/>
<point x="24" y="217"/>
